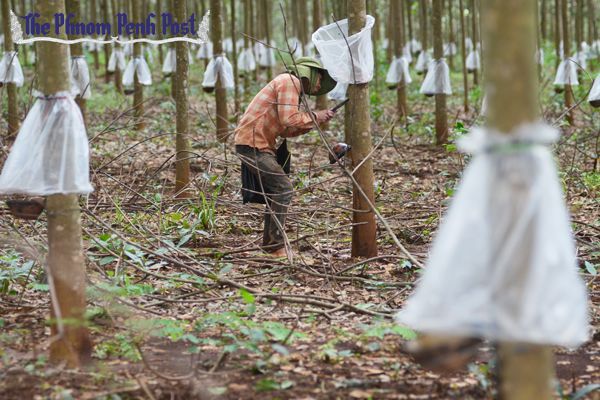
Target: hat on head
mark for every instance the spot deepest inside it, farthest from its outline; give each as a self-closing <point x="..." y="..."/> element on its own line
<point x="309" y="67"/>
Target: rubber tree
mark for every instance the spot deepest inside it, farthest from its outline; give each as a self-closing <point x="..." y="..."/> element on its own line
<point x="463" y="54"/>
<point x="159" y="34"/>
<point x="317" y="19"/>
<point x="543" y="21"/>
<point x="475" y="38"/>
<point x="567" y="52"/>
<point x="94" y="19"/>
<point x="106" y="47"/>
<point x="66" y="265"/>
<point x="182" y="148"/>
<point x="364" y="230"/>
<point x="118" y="80"/>
<point x="441" y="118"/>
<point x="509" y="30"/>
<point x="11" y="88"/>
<point x="557" y="31"/>
<point x="234" y="55"/>
<point x="138" y="89"/>
<point x="592" y="23"/>
<point x="247" y="23"/>
<point x="423" y="24"/>
<point x="220" y="91"/>
<point x="396" y="11"/>
<point x="74" y="7"/>
<point x="23" y="11"/>
<point x="450" y="34"/>
<point x="268" y="10"/>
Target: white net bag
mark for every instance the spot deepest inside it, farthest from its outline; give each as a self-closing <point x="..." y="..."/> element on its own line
<point x="335" y="52"/>
<point x="567" y="73"/>
<point x="266" y="55"/>
<point x="415" y="46"/>
<point x="423" y="61"/>
<point x="128" y="48"/>
<point x="473" y="62"/>
<point x="581" y="59"/>
<point x="338" y="93"/>
<point x="398" y="72"/>
<point x="116" y="60"/>
<point x="502" y="266"/>
<point x="449" y="49"/>
<point x="594" y="97"/>
<point x="484" y="105"/>
<point x="406" y="53"/>
<point x="80" y="78"/>
<point x="239" y="45"/>
<point x="170" y="62"/>
<point x="246" y="61"/>
<point x="51" y="152"/>
<point x="218" y="67"/>
<point x="585" y="49"/>
<point x="385" y="43"/>
<point x="539" y="56"/>
<point x="205" y="51"/>
<point x="138" y="66"/>
<point x="10" y="69"/>
<point x="468" y="45"/>
<point x="437" y="80"/>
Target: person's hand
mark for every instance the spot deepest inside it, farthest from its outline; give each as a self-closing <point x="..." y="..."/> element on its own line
<point x="324" y="116"/>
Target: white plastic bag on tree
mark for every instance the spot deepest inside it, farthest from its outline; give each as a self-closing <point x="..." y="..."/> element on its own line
<point x="473" y="62"/>
<point x="227" y="45"/>
<point x="468" y="45"/>
<point x="170" y="62"/>
<point x="138" y="66"/>
<point x="116" y="60"/>
<point x="398" y="72"/>
<point x="128" y="48"/>
<point x="502" y="266"/>
<point x="581" y="59"/>
<point x="385" y="43"/>
<point x="484" y="105"/>
<point x="437" y="80"/>
<point x="221" y="67"/>
<point x="246" y="61"/>
<point x="406" y="53"/>
<point x="205" y="51"/>
<point x="540" y="56"/>
<point x="594" y="97"/>
<point x="335" y="51"/>
<point x="10" y="69"/>
<point x="51" y="152"/>
<point x="566" y="73"/>
<point x="423" y="61"/>
<point x="415" y="46"/>
<point x="338" y="93"/>
<point x="449" y="49"/>
<point x="266" y="55"/>
<point x="239" y="45"/>
<point x="80" y="78"/>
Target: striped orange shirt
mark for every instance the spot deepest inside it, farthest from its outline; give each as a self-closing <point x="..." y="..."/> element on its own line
<point x="274" y="111"/>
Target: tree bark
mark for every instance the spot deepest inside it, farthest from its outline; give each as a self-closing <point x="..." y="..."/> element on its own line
<point x="159" y="34"/>
<point x="543" y="27"/>
<point x="463" y="52"/>
<point x="220" y="92"/>
<point x="66" y="266"/>
<point x="234" y="55"/>
<point x="118" y="80"/>
<point x="11" y="88"/>
<point x="525" y="371"/>
<point x="451" y="34"/>
<point x="182" y="162"/>
<point x="567" y="52"/>
<point x="557" y="31"/>
<point x="396" y="11"/>
<point x="441" y="118"/>
<point x="423" y="27"/>
<point x="268" y="9"/>
<point x="317" y="19"/>
<point x="364" y="243"/>
<point x="94" y="19"/>
<point x="138" y="89"/>
<point x="105" y="47"/>
<point x="410" y="36"/>
<point x="475" y="37"/>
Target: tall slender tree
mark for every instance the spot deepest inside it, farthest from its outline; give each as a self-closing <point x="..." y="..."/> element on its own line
<point x="317" y="18"/>
<point x="234" y="57"/>
<point x="396" y="11"/>
<point x="475" y="38"/>
<point x="182" y="158"/>
<point x="451" y="38"/>
<point x="74" y="7"/>
<point x="105" y="47"/>
<point x="71" y="343"/>
<point x="138" y="89"/>
<point x="567" y="51"/>
<point x="364" y="230"/>
<point x="11" y="88"/>
<point x="441" y="118"/>
<point x="94" y="19"/>
<point x="463" y="52"/>
<point x="118" y="80"/>
<point x="557" y="31"/>
<point x="216" y="30"/>
<point x="525" y="371"/>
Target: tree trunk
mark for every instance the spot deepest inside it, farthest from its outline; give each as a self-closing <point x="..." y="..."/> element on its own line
<point x="441" y="118"/>
<point x="544" y="29"/>
<point x="74" y="7"/>
<point x="396" y="11"/>
<point x="220" y="92"/>
<point x="24" y="11"/>
<point x="11" y="88"/>
<point x="105" y="47"/>
<point x="451" y="35"/>
<point x="364" y="243"/>
<point x="66" y="267"/>
<point x="159" y="34"/>
<point x="592" y="27"/>
<point x="138" y="89"/>
<point x="94" y="19"/>
<point x="236" y="89"/>
<point x="475" y="37"/>
<point x="409" y="22"/>
<point x="182" y="162"/>
<point x="525" y="371"/>
<point x="463" y="53"/>
<point x="268" y="9"/>
<point x="118" y="80"/>
<point x="567" y="52"/>
<point x="423" y="27"/>
<point x="317" y="19"/>
<point x="557" y="31"/>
